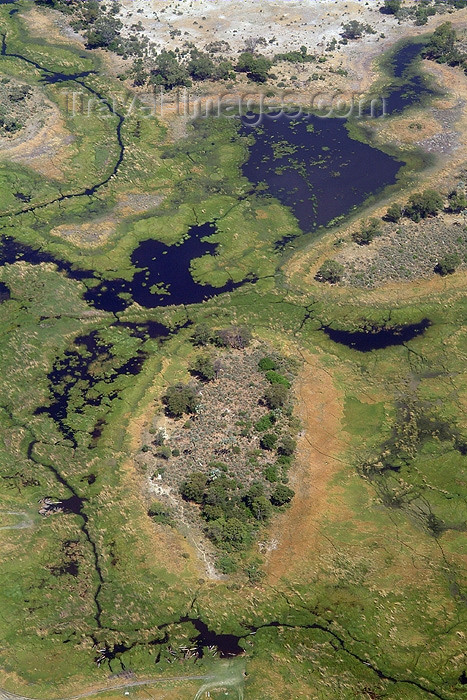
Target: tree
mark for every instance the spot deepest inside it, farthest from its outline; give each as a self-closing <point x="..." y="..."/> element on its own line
<point x="391" y="7"/>
<point x="201" y="335"/>
<point x="201" y="66"/>
<point x="203" y="366"/>
<point x="180" y="399"/>
<point x="424" y="204"/>
<point x="442" y="42"/>
<point x="169" y="72"/>
<point x="287" y="446"/>
<point x="256" y="67"/>
<point x="330" y="271"/>
<point x="394" y="213"/>
<point x="448" y="264"/>
<point x="367" y="232"/>
<point x="192" y="489"/>
<point x="457" y="202"/>
<point x="355" y="30"/>
<point x="274" y="377"/>
<point x="267" y="363"/>
<point x="268" y="441"/>
<point x="275" y="396"/>
<point x="281" y="495"/>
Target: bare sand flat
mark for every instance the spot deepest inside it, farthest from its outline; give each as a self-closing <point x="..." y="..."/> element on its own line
<point x="284" y="24"/>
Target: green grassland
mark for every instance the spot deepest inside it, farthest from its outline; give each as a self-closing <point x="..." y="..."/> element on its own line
<point x="380" y="610"/>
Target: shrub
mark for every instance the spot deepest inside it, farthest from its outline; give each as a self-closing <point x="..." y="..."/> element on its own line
<point x="423" y="204"/>
<point x="391" y="7"/>
<point x="201" y="335"/>
<point x="164" y="452"/>
<point x="268" y="441"/>
<point x="237" y="337"/>
<point x="368" y="231"/>
<point x="271" y="473"/>
<point x="226" y="564"/>
<point x="355" y="30"/>
<point x="160" y="513"/>
<point x="274" y="377"/>
<point x="282" y="495"/>
<point x="275" y="396"/>
<point x="192" y="489"/>
<point x="394" y="213"/>
<point x="267" y="363"/>
<point x="287" y="446"/>
<point x="448" y="264"/>
<point x="457" y="202"/>
<point x="265" y="423"/>
<point x="330" y="271"/>
<point x="203" y="366"/>
<point x="201" y="66"/>
<point x="180" y="399"/>
<point x="256" y="67"/>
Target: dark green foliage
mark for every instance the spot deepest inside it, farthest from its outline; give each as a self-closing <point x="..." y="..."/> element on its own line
<point x="201" y="66"/>
<point x="201" y="335"/>
<point x="391" y="7"/>
<point x="355" y="30"/>
<point x="203" y="366"/>
<point x="180" y="399"/>
<point x="267" y="363"/>
<point x="394" y="213"/>
<point x="168" y="72"/>
<point x="457" y="202"/>
<point x="257" y="503"/>
<point x="265" y="423"/>
<point x="330" y="271"/>
<point x="282" y="495"/>
<point x="423" y="204"/>
<point x="301" y="56"/>
<point x="256" y="67"/>
<point x="192" y="489"/>
<point x="367" y="232"/>
<point x="448" y="264"/>
<point x="268" y="441"/>
<point x="287" y="446"/>
<point x="230" y="534"/>
<point x="274" y="377"/>
<point x="271" y="474"/>
<point x="160" y="513"/>
<point x="441" y="47"/>
<point x="276" y="395"/>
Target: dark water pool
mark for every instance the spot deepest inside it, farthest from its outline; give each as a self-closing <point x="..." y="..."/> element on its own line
<point x="4" y="292"/>
<point x="313" y="166"/>
<point x="377" y="338"/>
<point x="163" y="275"/>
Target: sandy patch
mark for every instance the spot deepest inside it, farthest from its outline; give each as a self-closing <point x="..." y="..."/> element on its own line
<point x="42" y="144"/>
<point x="96" y="232"/>
<point x="296" y="533"/>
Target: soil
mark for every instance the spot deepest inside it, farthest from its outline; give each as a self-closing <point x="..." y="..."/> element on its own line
<point x="295" y="534"/>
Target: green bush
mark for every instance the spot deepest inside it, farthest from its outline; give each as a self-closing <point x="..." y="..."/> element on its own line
<point x="394" y="213"/>
<point x="276" y="396"/>
<point x="282" y="495"/>
<point x="367" y="232"/>
<point x="180" y="399"/>
<point x="448" y="264"/>
<point x="330" y="271"/>
<point x="424" y="204"/>
<point x="265" y="423"/>
<point x="192" y="489"/>
<point x="268" y="441"/>
<point x="267" y="363"/>
<point x="274" y="377"/>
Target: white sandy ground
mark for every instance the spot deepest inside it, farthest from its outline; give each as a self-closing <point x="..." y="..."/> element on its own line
<point x="287" y="24"/>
